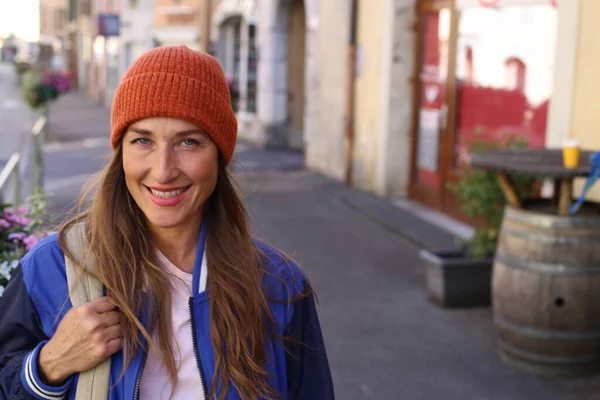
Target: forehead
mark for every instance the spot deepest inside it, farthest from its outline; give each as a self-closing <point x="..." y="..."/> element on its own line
<point x="162" y="125"/>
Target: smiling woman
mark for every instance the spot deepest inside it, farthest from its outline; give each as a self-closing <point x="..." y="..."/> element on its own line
<point x="171" y="169"/>
<point x="195" y="307"/>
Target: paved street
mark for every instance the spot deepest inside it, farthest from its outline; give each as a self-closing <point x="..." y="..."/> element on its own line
<point x="16" y="119"/>
<point x="385" y="340"/>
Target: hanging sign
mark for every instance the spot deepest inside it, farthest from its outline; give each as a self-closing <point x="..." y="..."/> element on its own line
<point x="108" y="24"/>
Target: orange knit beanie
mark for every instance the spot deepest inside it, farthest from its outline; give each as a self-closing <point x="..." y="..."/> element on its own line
<point x="176" y="82"/>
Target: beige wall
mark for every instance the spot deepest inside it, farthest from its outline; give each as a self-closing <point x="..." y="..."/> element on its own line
<point x="383" y="95"/>
<point x="585" y="120"/>
<point x="206" y="31"/>
<point x="327" y="88"/>
<point x="368" y="93"/>
<point x="561" y="104"/>
<point x="162" y="18"/>
<point x="383" y="103"/>
<point x="53" y="17"/>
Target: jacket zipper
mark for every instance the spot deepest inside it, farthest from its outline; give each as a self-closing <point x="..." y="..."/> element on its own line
<point x="138" y="379"/>
<point x="196" y="352"/>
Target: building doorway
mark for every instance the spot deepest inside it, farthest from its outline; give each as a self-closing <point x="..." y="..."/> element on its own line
<point x="296" y="62"/>
<point x="484" y="72"/>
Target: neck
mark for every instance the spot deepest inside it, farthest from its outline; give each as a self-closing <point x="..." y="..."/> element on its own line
<point x="178" y="244"/>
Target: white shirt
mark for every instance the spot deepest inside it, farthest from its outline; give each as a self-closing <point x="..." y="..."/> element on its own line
<point x="155" y="382"/>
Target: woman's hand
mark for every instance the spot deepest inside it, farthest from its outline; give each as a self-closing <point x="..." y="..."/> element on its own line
<point x="86" y="336"/>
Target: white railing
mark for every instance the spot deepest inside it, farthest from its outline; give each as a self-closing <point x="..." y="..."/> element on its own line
<point x="36" y="164"/>
<point x="10" y="176"/>
<point x="10" y="181"/>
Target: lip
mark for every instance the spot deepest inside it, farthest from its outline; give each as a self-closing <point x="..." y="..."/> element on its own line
<point x="166" y="189"/>
<point x="171" y="201"/>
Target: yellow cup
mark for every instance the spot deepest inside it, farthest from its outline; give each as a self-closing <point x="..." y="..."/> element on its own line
<point x="571" y="150"/>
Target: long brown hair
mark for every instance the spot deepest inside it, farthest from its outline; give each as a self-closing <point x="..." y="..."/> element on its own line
<point x="240" y="317"/>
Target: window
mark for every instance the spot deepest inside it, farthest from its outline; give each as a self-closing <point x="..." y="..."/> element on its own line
<point x="181" y="19"/>
<point x="237" y="30"/>
<point x="230" y="54"/>
<point x="60" y="18"/>
<point x="252" y="64"/>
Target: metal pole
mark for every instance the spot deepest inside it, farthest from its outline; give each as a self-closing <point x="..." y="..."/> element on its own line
<point x="46" y="128"/>
<point x="44" y="134"/>
<point x="33" y="166"/>
<point x="37" y="153"/>
<point x="351" y="85"/>
<point x="207" y="25"/>
<point x="16" y="176"/>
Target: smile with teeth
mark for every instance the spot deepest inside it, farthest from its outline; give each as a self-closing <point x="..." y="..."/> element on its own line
<point x="167" y="195"/>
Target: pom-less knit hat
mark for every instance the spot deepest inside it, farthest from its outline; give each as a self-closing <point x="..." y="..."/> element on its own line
<point x="176" y="82"/>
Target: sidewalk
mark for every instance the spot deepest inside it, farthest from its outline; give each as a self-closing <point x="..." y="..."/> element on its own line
<point x="384" y="339"/>
<point x="16" y="118"/>
<point x="73" y="117"/>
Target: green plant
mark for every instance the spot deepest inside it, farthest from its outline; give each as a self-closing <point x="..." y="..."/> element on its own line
<point x="21" y="67"/>
<point x="40" y="86"/>
<point x="480" y="195"/>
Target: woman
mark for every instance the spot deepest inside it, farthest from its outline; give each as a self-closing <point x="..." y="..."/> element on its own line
<point x="194" y="308"/>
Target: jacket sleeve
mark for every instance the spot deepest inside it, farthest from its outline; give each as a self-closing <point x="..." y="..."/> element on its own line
<point x="21" y="338"/>
<point x="308" y="374"/>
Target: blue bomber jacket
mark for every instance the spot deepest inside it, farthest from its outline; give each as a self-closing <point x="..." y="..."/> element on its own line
<point x="33" y="304"/>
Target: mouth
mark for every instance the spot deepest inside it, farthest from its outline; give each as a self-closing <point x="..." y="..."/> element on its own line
<point x="167" y="193"/>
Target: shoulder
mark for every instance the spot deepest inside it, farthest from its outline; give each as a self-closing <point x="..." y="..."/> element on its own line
<point x="45" y="254"/>
<point x="283" y="279"/>
<point x="45" y="278"/>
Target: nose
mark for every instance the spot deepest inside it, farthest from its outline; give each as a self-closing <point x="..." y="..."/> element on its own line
<point x="164" y="165"/>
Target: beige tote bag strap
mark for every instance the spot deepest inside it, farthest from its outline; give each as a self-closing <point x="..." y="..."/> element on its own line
<point x="92" y="384"/>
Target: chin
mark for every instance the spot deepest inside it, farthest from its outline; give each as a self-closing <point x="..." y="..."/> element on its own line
<point x="165" y="220"/>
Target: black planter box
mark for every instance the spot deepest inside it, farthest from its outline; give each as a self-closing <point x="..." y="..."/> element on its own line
<point x="456" y="280"/>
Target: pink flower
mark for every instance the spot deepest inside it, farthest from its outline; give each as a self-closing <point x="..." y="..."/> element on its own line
<point x="17" y="216"/>
<point x="23" y="221"/>
<point x="19" y="236"/>
<point x="30" y="241"/>
<point x="4" y="223"/>
<point x="8" y="214"/>
<point x="21" y="211"/>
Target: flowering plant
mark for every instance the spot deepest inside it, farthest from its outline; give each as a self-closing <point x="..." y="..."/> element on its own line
<point x="18" y="233"/>
<point x="41" y="86"/>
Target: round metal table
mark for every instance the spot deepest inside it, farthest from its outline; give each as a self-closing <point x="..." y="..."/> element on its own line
<point x="540" y="163"/>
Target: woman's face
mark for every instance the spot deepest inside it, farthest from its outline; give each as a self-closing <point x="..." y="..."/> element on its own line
<point x="171" y="169"/>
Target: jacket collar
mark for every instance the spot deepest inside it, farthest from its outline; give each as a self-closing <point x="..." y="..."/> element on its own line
<point x="200" y="275"/>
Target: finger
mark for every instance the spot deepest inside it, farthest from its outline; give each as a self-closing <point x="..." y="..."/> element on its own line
<point x="103" y="304"/>
<point x="110" y="318"/>
<point x="113" y="332"/>
<point x="114" y="345"/>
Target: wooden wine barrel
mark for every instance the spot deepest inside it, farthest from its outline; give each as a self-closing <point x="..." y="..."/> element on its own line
<point x="546" y="292"/>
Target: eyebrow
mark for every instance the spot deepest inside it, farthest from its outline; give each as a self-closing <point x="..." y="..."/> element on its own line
<point x="182" y="133"/>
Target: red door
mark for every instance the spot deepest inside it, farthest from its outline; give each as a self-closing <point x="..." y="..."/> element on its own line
<point x="429" y="155"/>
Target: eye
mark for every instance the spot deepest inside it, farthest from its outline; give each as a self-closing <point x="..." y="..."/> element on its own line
<point x="190" y="142"/>
<point x="141" y="140"/>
